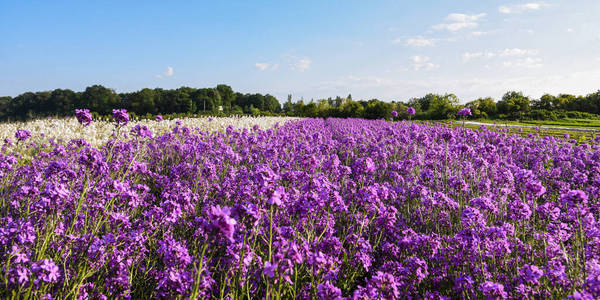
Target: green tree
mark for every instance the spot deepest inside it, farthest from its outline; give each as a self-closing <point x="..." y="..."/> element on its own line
<point x="64" y="101"/>
<point x="142" y="102"/>
<point x="546" y="102"/>
<point x="483" y="107"/>
<point x="288" y="106"/>
<point x="271" y="104"/>
<point x="376" y="109"/>
<point x="99" y="99"/>
<point x="227" y="95"/>
<point x="513" y="104"/>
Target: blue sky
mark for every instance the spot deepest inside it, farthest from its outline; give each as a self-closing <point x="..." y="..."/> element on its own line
<point x="390" y="50"/>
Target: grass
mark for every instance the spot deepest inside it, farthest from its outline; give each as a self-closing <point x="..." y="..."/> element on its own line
<point x="579" y="136"/>
<point x="576" y="123"/>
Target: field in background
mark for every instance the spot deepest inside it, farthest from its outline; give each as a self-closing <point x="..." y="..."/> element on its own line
<point x="588" y="131"/>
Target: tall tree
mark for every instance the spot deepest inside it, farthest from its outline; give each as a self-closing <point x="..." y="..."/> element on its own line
<point x="227" y="95"/>
<point x="99" y="99"/>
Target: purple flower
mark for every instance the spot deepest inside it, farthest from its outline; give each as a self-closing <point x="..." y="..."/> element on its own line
<point x="519" y="210"/>
<point x="493" y="290"/>
<point x="222" y="221"/>
<point x="328" y="291"/>
<point x="277" y="197"/>
<point x="385" y="285"/>
<point x="83" y="116"/>
<point x="410" y="111"/>
<point x="23" y="275"/>
<point x="531" y="274"/>
<point x="46" y="270"/>
<point x="394" y="113"/>
<point x="535" y="188"/>
<point x="269" y="269"/>
<point x="158" y="118"/>
<point x="121" y="116"/>
<point x="465" y="112"/>
<point x="575" y="197"/>
<point x="141" y="131"/>
<point x="22" y="134"/>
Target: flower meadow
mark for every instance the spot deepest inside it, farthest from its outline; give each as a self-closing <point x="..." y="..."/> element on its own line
<point x="97" y="133"/>
<point x="313" y="208"/>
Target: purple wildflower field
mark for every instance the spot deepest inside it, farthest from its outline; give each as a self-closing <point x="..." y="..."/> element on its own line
<point x="313" y="208"/>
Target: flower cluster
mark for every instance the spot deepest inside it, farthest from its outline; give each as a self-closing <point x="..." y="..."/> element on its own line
<point x="334" y="209"/>
<point x="22" y="134"/>
<point x="465" y="112"/>
<point x="83" y="116"/>
<point x="121" y="116"/>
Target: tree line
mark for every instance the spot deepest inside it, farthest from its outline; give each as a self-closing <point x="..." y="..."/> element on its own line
<point x="144" y="103"/>
<point x="223" y="100"/>
<point x="513" y="106"/>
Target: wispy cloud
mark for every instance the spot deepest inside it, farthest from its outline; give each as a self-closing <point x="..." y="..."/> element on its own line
<point x="521" y="8"/>
<point x="478" y="33"/>
<point x="517" y="52"/>
<point x="262" y="66"/>
<point x="418" y="41"/>
<point x="422" y="63"/>
<point x="527" y="62"/>
<point x="168" y="73"/>
<point x="508" y="52"/>
<point x="467" y="56"/>
<point x="458" y="22"/>
<point x="514" y="57"/>
<point x="301" y="64"/>
<point x="266" y="66"/>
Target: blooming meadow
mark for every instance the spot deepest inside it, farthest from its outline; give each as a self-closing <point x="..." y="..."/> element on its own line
<point x="97" y="133"/>
<point x="331" y="209"/>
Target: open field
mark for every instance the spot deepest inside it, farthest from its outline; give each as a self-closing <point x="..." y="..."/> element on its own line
<point x="308" y="208"/>
<point x="574" y="133"/>
<point x="567" y="123"/>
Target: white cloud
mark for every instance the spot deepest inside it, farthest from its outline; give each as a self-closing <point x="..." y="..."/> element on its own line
<point x="478" y="33"/>
<point x="266" y="66"/>
<point x="471" y="55"/>
<point x="520" y="8"/>
<point x="262" y="66"/>
<point x="570" y="30"/>
<point x="168" y="73"/>
<point x="301" y="64"/>
<point x="417" y="42"/>
<point x="423" y="63"/>
<point x="517" y="52"/>
<point x="514" y="52"/>
<point x="523" y="57"/>
<point x="527" y="62"/>
<point x="459" y="21"/>
<point x="468" y="55"/>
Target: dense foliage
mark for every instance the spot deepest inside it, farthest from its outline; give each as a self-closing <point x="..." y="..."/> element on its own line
<point x="146" y="102"/>
<point x="328" y="208"/>
<point x="223" y="100"/>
